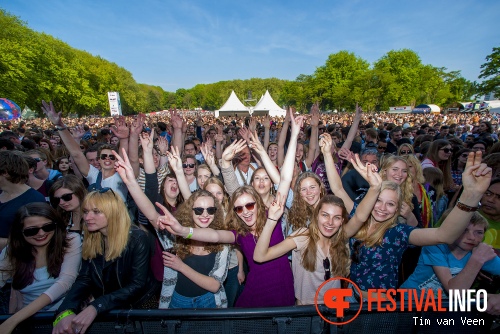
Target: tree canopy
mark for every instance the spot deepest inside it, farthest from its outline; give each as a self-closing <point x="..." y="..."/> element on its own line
<point x="36" y="66"/>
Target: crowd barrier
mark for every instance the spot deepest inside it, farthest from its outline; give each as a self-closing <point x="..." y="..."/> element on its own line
<point x="281" y="320"/>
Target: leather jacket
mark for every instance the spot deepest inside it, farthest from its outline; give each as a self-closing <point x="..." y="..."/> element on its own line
<point x="121" y="283"/>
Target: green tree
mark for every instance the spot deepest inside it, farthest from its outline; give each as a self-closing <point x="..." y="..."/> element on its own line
<point x="490" y="71"/>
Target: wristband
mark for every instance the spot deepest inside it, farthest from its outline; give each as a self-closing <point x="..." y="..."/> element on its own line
<point x="465" y="207"/>
<point x="272" y="219"/>
<point x="62" y="316"/>
<point x="61" y="128"/>
<point x="190" y="233"/>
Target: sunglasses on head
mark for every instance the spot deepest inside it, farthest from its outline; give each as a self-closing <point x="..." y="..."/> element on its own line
<point x="32" y="231"/>
<point x="210" y="210"/>
<point x="249" y="206"/>
<point x="66" y="197"/>
<point x="446" y="150"/>
<point x="188" y="165"/>
<point x="110" y="156"/>
<point x="326" y="266"/>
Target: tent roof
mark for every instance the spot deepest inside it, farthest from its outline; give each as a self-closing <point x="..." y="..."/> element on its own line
<point x="267" y="104"/>
<point x="233" y="104"/>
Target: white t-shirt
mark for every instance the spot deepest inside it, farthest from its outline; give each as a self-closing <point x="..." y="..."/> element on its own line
<point x="114" y="182"/>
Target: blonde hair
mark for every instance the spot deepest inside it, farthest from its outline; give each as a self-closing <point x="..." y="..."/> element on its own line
<point x="412" y="160"/>
<point x="118" y="219"/>
<point x="407" y="185"/>
<point x="375" y="239"/>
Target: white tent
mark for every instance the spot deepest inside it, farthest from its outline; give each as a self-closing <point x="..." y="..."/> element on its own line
<point x="267" y="106"/>
<point x="233" y="106"/>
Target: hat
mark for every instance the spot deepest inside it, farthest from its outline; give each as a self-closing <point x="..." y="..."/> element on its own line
<point x="406" y="126"/>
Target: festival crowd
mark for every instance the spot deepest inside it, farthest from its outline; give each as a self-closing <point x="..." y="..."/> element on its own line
<point x="168" y="211"/>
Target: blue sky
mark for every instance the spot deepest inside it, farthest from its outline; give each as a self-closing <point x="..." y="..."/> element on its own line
<point x="178" y="44"/>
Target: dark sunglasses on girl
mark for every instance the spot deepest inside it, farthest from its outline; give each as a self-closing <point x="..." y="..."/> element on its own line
<point x="405" y="152"/>
<point x="111" y="157"/>
<point x="32" y="231"/>
<point x="66" y="197"/>
<point x="188" y="165"/>
<point x="210" y="210"/>
<point x="249" y="206"/>
<point x="446" y="150"/>
<point x="326" y="266"/>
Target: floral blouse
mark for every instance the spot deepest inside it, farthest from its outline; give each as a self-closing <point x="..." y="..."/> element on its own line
<point x="378" y="265"/>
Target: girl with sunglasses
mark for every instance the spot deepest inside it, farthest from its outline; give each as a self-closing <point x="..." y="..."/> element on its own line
<point x="439" y="155"/>
<point x="267" y="284"/>
<point x="66" y="196"/>
<point x="43" y="261"/>
<point x="376" y="250"/>
<point x="115" y="269"/>
<point x="196" y="282"/>
<point x="319" y="251"/>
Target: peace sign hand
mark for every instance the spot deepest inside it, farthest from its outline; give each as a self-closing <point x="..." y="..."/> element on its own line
<point x="277" y="207"/>
<point x="369" y="172"/>
<point x="168" y="222"/>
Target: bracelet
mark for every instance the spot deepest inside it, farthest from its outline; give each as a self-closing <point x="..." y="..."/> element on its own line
<point x="61" y="128"/>
<point x="272" y="219"/>
<point x="190" y="233"/>
<point x="465" y="207"/>
<point x="62" y="316"/>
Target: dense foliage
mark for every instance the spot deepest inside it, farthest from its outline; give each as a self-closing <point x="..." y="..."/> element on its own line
<point x="36" y="66"/>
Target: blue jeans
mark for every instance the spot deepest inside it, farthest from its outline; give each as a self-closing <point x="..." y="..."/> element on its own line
<point x="232" y="286"/>
<point x="204" y="301"/>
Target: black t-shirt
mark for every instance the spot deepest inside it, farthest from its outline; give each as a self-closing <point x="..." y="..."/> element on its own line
<point x="200" y="263"/>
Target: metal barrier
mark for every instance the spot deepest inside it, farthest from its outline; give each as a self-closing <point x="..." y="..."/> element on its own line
<point x="280" y="320"/>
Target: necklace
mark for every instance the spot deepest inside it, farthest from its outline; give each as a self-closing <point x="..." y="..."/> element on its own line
<point x="254" y="239"/>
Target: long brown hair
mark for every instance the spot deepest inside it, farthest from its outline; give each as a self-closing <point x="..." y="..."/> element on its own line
<point x="445" y="166"/>
<point x="234" y="222"/>
<point x="301" y="211"/>
<point x="21" y="254"/>
<point x="185" y="216"/>
<point x="70" y="182"/>
<point x="339" y="253"/>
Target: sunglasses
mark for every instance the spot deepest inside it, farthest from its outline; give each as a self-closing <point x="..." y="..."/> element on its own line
<point x="326" y="266"/>
<point x="188" y="165"/>
<point x="37" y="159"/>
<point x="249" y="206"/>
<point x="66" y="197"/>
<point x="465" y="155"/>
<point x="383" y="148"/>
<point x="446" y="150"/>
<point x="210" y="210"/>
<point x="110" y="156"/>
<point x="32" y="231"/>
<point x="405" y="152"/>
<point x="355" y="251"/>
<point x="82" y="147"/>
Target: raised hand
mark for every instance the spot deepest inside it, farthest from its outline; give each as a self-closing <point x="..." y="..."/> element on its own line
<point x="168" y="221"/>
<point x="233" y="149"/>
<point x="138" y="124"/>
<point x="277" y="207"/>
<point x="346" y="154"/>
<point x="296" y="124"/>
<point x="120" y="129"/>
<point x="147" y="142"/>
<point x="255" y="144"/>
<point x="174" y="159"/>
<point x="252" y="125"/>
<point x="314" y="114"/>
<point x="176" y="120"/>
<point x="267" y="121"/>
<point x="162" y="144"/>
<point x="207" y="153"/>
<point x="476" y="176"/>
<point x="77" y="133"/>
<point x="244" y="133"/>
<point x="369" y="172"/>
<point x="325" y="143"/>
<point x="124" y="168"/>
<point x="51" y="113"/>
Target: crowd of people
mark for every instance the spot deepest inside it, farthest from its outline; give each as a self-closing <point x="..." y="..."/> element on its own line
<point x="167" y="211"/>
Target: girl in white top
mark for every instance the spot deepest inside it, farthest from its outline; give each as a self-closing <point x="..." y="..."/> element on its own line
<point x="319" y="252"/>
<point x="43" y="261"/>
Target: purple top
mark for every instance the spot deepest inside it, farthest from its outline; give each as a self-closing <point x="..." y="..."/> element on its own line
<point x="268" y="284"/>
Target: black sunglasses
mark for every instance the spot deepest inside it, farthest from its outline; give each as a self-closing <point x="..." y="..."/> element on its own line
<point x="355" y="251"/>
<point x="32" y="231"/>
<point x="249" y="206"/>
<point x="66" y="197"/>
<point x="210" y="210"/>
<point x="111" y="157"/>
<point x="446" y="150"/>
<point x="37" y="159"/>
<point x="383" y="148"/>
<point x="405" y="152"/>
<point x="326" y="266"/>
<point x="188" y="165"/>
